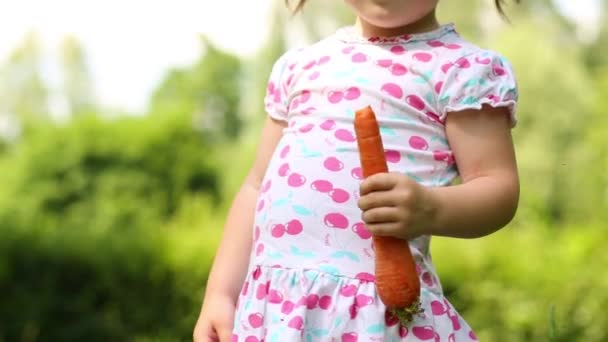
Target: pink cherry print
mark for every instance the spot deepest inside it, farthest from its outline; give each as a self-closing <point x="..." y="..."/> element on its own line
<point x="328" y="125"/>
<point x="463" y="63"/>
<point x="348" y="50"/>
<point x="435" y="43"/>
<point x="472" y="335"/>
<point x="323" y="60"/>
<point x="335" y="96"/>
<point x="418" y="143"/>
<point x="292" y="66"/>
<point x="275" y="297"/>
<point x="398" y="69"/>
<point x="277" y="230"/>
<point x="336" y="220"/>
<point x="498" y="71"/>
<point x="398" y="50"/>
<point x="357" y="173"/>
<point x="427" y="278"/>
<point x="352" y="93"/>
<point x="267" y="185"/>
<point x="451" y="338"/>
<point x="438" y="87"/>
<point x="390" y="319"/>
<point x="322" y="185"/>
<point x="359" y="58"/>
<point x="424" y="333"/>
<point x="415" y="101"/>
<point x="423" y="56"/>
<point x="305" y="96"/>
<point x="333" y="164"/>
<point x="363" y="300"/>
<point x="438" y="308"/>
<point x="312" y="301"/>
<point x="259" y="249"/>
<point x="260" y="205"/>
<point x="294" y="227"/>
<point x="339" y="195"/>
<point x="257" y="273"/>
<point x="308" y="110"/>
<point x="284" y="151"/>
<point x="350" y="337"/>
<point x="392" y="156"/>
<point x="252" y="339"/>
<point x="256" y="235"/>
<point x="393" y="90"/>
<point x="245" y="288"/>
<point x="303" y="301"/>
<point x="283" y="170"/>
<point x="453" y="46"/>
<point x="484" y="61"/>
<point x="314" y="76"/>
<point x="446" y="67"/>
<point x="443" y="156"/>
<point x="348" y="290"/>
<point x="289" y="79"/>
<point x="403" y="331"/>
<point x="295" y="180"/>
<point x="325" y="302"/>
<point x="353" y="310"/>
<point x="270" y="88"/>
<point x="262" y="291"/>
<point x="435" y="117"/>
<point x="310" y="65"/>
<point x="287" y="307"/>
<point x="296" y="323"/>
<point x="455" y="321"/>
<point x="295" y="104"/>
<point x="256" y="320"/>
<point x="307" y="128"/>
<point x="234" y="338"/>
<point x="359" y="229"/>
<point x="384" y="63"/>
<point x="345" y="135"/>
<point x="367" y="277"/>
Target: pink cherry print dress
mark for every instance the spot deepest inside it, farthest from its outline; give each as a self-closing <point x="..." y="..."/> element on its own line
<point x="311" y="272"/>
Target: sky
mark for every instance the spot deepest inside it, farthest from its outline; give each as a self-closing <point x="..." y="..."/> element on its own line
<point x="131" y="43"/>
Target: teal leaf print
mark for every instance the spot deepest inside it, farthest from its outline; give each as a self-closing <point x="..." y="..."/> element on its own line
<point x="440" y="139"/>
<point x="320" y="332"/>
<point x="343" y="149"/>
<point x="304" y="254"/>
<point x="469" y="100"/>
<point x="338" y="322"/>
<point x="281" y="202"/>
<point x="387" y="131"/>
<point x="350" y="112"/>
<point x="376" y="328"/>
<point x="345" y="254"/>
<point x="301" y="210"/>
<point x="275" y="255"/>
<point x="308" y="337"/>
<point x="420" y="80"/>
<point x="362" y="80"/>
<point x="411" y="158"/>
<point x="444" y="100"/>
<point x="430" y="97"/>
<point x="329" y="269"/>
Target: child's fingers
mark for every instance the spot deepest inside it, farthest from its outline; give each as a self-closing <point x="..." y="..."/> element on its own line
<point x="381" y="215"/>
<point x="377" y="182"/>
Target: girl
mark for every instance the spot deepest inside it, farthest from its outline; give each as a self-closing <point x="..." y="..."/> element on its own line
<point x="296" y="262"/>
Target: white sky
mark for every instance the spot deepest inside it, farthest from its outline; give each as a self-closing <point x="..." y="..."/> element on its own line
<point x="131" y="43"/>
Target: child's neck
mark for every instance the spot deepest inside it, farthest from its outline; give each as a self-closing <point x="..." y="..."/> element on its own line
<point x="425" y="24"/>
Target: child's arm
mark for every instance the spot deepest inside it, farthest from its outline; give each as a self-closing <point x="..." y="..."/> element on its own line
<point x="486" y="200"/>
<point x="232" y="256"/>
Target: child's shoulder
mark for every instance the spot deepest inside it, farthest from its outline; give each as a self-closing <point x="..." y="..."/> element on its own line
<point x="458" y="49"/>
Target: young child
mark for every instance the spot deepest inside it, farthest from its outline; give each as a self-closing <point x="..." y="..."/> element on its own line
<point x="296" y="262"/>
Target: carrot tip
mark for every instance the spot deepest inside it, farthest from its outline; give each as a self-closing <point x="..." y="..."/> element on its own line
<point x="406" y="315"/>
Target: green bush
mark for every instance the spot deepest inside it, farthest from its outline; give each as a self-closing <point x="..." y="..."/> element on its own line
<point x="120" y="174"/>
<point x="508" y="285"/>
<point x="71" y="285"/>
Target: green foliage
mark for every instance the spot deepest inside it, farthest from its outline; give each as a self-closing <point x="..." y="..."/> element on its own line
<point x="71" y="285"/>
<point x="506" y="285"/>
<point x="120" y="174"/>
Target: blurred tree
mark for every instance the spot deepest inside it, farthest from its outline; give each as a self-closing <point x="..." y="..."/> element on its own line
<point x="77" y="85"/>
<point x="23" y="93"/>
<point x="208" y="92"/>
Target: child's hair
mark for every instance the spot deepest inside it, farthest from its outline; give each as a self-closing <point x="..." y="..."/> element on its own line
<point x="300" y="5"/>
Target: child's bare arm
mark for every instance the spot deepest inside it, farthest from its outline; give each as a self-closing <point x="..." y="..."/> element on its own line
<point x="488" y="197"/>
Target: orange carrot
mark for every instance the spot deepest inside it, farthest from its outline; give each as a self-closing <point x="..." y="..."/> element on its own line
<point x="396" y="277"/>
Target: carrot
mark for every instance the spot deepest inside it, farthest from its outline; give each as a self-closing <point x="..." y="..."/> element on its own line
<point x="396" y="277"/>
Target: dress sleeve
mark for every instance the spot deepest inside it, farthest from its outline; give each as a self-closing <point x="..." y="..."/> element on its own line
<point x="276" y="98"/>
<point x="484" y="78"/>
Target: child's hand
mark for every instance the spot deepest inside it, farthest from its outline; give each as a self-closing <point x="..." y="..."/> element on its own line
<point x="215" y="320"/>
<point x="395" y="205"/>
